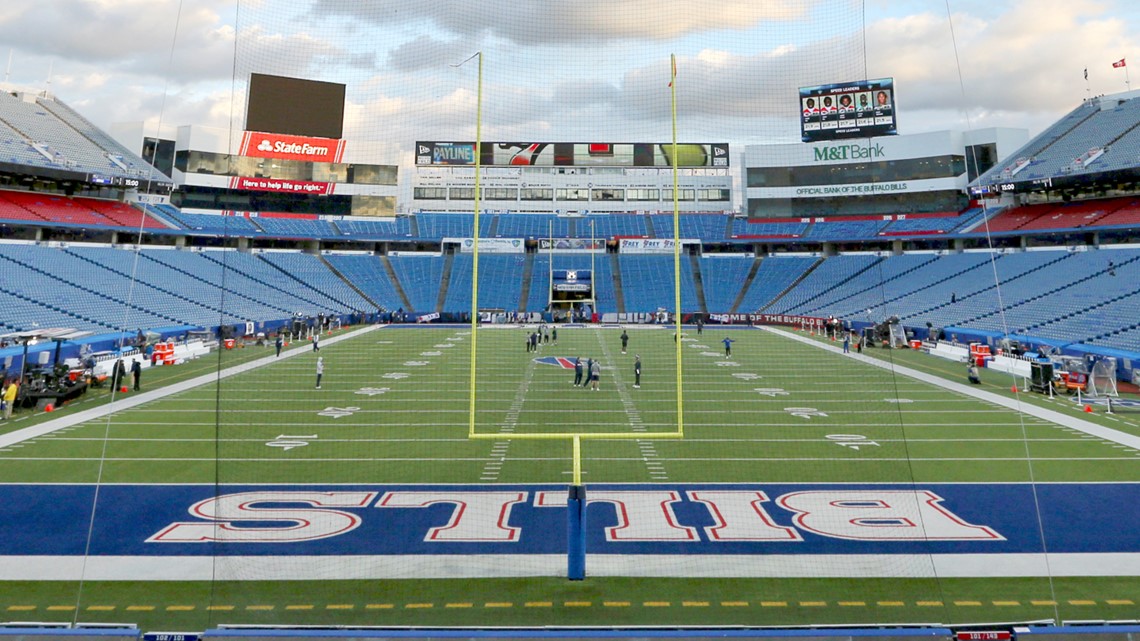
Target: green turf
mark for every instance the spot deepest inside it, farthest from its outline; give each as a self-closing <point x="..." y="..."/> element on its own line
<point x="393" y="408"/>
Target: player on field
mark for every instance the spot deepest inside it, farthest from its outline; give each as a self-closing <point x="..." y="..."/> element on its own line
<point x="595" y="374"/>
<point x="624" y="341"/>
<point x="320" y="370"/>
<point x="577" y="371"/>
<point x="728" y="346"/>
<point x="637" y="371"/>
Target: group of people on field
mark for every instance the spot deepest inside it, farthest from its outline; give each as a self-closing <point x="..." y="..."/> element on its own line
<point x="542" y="335"/>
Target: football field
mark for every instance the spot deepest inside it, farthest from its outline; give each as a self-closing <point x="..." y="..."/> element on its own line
<point x="787" y="484"/>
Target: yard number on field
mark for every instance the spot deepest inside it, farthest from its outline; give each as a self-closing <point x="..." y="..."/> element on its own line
<point x="289" y="441"/>
<point x="853" y="441"/>
<point x="804" y="412"/>
<point x="338" y="412"/>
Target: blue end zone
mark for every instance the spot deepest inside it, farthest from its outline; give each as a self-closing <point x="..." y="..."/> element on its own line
<point x="163" y="520"/>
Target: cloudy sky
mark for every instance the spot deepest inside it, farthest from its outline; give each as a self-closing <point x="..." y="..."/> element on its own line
<point x="572" y="70"/>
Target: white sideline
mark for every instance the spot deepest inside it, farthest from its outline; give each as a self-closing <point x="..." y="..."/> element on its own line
<point x="1065" y="420"/>
<point x="451" y="566"/>
<point x="122" y="403"/>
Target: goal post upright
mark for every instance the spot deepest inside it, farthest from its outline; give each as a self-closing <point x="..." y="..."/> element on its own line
<point x="475" y="247"/>
<point x="676" y="247"/>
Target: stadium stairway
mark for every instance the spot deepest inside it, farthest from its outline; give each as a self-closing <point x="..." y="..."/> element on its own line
<point x="445" y="282"/>
<point x="285" y="313"/>
<point x="1049" y="293"/>
<point x="122" y="304"/>
<point x="968" y="295"/>
<point x="572" y="228"/>
<point x="649" y="233"/>
<point x="861" y="292"/>
<point x="54" y="308"/>
<point x="1132" y="297"/>
<point x="147" y="283"/>
<point x="795" y="284"/>
<point x="414" y="232"/>
<point x="698" y="282"/>
<point x="528" y="271"/>
<point x="802" y="304"/>
<point x="323" y="291"/>
<point x="348" y="282"/>
<point x="261" y="281"/>
<point x="747" y="282"/>
<point x="615" y="267"/>
<point x="406" y="304"/>
<point x="936" y="283"/>
<point x="493" y="230"/>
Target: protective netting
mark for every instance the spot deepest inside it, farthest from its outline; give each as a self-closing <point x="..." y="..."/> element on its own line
<point x="381" y="468"/>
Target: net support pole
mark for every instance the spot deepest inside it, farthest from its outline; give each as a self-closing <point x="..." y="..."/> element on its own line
<point x="576" y="521"/>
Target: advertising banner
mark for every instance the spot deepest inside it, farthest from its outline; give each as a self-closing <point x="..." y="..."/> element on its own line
<point x="281" y="185"/>
<point x="490" y="245"/>
<point x="767" y="319"/>
<point x="651" y="245"/>
<point x="571" y="245"/>
<point x="256" y="144"/>
<point x="574" y="154"/>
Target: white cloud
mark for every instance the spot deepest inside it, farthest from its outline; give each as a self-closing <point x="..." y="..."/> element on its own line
<point x="581" y="21"/>
<point x="1023" y="62"/>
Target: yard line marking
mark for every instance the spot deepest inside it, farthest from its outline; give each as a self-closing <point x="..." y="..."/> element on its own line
<point x="123" y="403"/>
<point x="633" y="416"/>
<point x="553" y="459"/>
<point x="499" y="449"/>
<point x="1091" y="429"/>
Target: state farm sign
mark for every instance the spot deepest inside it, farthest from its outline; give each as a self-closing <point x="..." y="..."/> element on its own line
<point x="257" y="144"/>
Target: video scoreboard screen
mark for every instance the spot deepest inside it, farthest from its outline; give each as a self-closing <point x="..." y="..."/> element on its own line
<point x="848" y="110"/>
<point x="573" y="154"/>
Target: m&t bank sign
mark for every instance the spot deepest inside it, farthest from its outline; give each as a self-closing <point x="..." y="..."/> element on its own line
<point x="853" y="151"/>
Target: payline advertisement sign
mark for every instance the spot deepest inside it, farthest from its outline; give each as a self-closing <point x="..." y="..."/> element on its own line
<point x="257" y="144"/>
<point x="573" y="154"/>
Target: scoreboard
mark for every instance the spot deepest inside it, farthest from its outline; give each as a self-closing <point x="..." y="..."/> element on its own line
<point x="859" y="109"/>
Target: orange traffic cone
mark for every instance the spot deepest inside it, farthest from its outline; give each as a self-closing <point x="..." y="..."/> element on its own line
<point x="1088" y="409"/>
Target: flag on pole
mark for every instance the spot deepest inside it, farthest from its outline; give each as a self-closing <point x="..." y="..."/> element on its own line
<point x="1119" y="63"/>
<point x="673" y="59"/>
